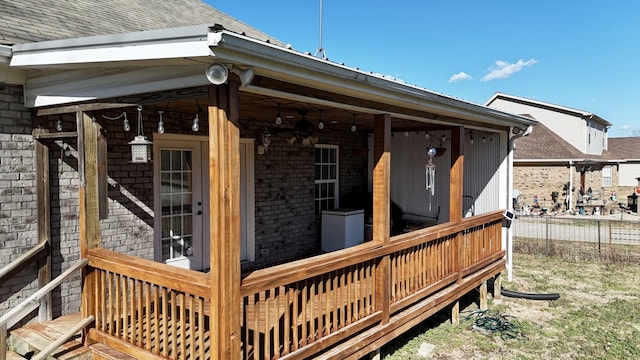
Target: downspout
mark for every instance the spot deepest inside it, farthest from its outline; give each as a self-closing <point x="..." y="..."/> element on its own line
<point x="511" y="147"/>
<point x="509" y="245"/>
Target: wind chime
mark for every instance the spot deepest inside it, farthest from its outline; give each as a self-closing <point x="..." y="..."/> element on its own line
<point x="430" y="174"/>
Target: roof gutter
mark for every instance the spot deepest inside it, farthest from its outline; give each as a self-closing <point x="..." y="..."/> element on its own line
<point x="305" y="69"/>
<point x="206" y="43"/>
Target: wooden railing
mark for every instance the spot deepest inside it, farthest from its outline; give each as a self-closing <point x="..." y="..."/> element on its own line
<point x="31" y="303"/>
<point x="301" y="308"/>
<point x="147" y="309"/>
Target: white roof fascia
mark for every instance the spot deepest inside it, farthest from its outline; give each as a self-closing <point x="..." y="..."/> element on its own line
<point x="546" y="160"/>
<point x="180" y="42"/>
<point x="581" y="113"/>
<point x="305" y="69"/>
<point x="8" y="75"/>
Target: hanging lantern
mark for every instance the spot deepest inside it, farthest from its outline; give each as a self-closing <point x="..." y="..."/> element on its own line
<point x="140" y="146"/>
<point x="140" y="149"/>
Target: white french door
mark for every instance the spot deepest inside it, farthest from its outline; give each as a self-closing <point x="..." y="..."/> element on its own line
<point x="181" y="200"/>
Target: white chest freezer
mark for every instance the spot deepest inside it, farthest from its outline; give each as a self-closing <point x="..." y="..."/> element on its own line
<point x="342" y="228"/>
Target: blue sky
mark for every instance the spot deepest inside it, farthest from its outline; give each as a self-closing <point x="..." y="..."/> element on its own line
<point x="579" y="54"/>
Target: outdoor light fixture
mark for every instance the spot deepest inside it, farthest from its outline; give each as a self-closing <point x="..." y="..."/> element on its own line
<point x="195" y="126"/>
<point x="125" y="124"/>
<point x="353" y="125"/>
<point x="266" y="140"/>
<point x="320" y="123"/>
<point x="160" y="123"/>
<point x="140" y="146"/>
<point x="217" y="73"/>
<point x="59" y="124"/>
<point x="278" y="116"/>
<point x="471" y="138"/>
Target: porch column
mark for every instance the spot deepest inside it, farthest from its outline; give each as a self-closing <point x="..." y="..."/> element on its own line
<point x="88" y="195"/>
<point x="456" y="176"/>
<point x="382" y="206"/>
<point x="224" y="233"/>
<point x="43" y="193"/>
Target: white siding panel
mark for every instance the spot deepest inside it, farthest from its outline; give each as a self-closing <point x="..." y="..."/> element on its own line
<point x="482" y="183"/>
<point x="627" y="174"/>
<point x="570" y="128"/>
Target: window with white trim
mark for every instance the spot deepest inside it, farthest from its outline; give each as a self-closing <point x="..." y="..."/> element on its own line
<point x="326" y="177"/>
<point x="607" y="177"/>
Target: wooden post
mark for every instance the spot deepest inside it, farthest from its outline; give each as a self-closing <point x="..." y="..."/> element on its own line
<point x="382" y="207"/>
<point x="483" y="296"/>
<point x="224" y="187"/>
<point x="456" y="176"/>
<point x="497" y="287"/>
<point x="455" y="313"/>
<point x="43" y="193"/>
<point x="88" y="194"/>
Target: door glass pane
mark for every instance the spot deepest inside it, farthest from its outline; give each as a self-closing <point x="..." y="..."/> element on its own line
<point x="177" y="203"/>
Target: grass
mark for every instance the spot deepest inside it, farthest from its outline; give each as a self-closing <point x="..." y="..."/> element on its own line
<point x="596" y="317"/>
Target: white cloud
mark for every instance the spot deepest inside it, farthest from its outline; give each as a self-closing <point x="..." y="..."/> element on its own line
<point x="461" y="76"/>
<point x="628" y="130"/>
<point x="504" y="69"/>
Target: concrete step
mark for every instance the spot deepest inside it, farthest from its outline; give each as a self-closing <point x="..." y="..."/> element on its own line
<point x="32" y="338"/>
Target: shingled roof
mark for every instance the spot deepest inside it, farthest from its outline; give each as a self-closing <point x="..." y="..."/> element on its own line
<point x="39" y="20"/>
<point x="625" y="148"/>
<point x="544" y="144"/>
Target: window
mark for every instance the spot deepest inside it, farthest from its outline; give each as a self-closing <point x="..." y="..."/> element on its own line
<point x="606" y="176"/>
<point x="326" y="178"/>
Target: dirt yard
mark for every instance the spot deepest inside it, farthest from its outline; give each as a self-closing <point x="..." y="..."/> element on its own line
<point x="596" y="317"/>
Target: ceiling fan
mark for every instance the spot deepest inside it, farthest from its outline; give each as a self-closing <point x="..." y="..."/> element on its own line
<point x="303" y="131"/>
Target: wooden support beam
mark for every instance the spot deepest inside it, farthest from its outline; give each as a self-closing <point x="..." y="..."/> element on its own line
<point x="224" y="187"/>
<point x="497" y="287"/>
<point x="88" y="195"/>
<point x="456" y="174"/>
<point x="43" y="192"/>
<point x="69" y="109"/>
<point x="483" y="296"/>
<point x="455" y="313"/>
<point x="382" y="208"/>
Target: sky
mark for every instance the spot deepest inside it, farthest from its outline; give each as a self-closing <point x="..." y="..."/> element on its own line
<point x="579" y="54"/>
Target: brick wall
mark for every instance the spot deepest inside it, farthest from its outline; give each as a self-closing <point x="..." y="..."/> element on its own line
<point x="286" y="225"/>
<point x="542" y="180"/>
<point x="18" y="230"/>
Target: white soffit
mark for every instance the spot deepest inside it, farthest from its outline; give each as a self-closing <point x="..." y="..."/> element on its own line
<point x="86" y="85"/>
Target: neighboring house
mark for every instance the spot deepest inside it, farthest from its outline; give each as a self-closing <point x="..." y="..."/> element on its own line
<point x="569" y="155"/>
<point x="241" y="171"/>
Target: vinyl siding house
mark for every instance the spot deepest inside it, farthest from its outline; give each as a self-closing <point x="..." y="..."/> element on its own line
<point x="212" y="247"/>
<point x="569" y="149"/>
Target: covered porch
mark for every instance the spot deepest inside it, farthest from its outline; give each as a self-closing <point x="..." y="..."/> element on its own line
<point x="342" y="304"/>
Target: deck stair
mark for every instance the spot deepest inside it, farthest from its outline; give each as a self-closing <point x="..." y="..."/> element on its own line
<point x="30" y="339"/>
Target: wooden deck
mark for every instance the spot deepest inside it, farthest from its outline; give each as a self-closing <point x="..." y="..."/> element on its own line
<point x="338" y="305"/>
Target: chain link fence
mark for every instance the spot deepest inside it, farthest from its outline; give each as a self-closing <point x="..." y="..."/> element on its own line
<point x="580" y="238"/>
